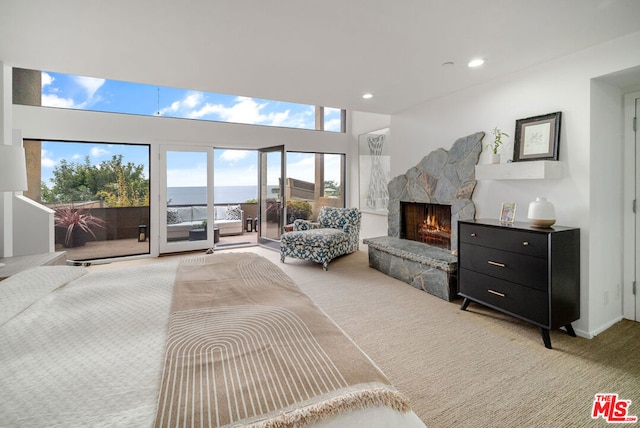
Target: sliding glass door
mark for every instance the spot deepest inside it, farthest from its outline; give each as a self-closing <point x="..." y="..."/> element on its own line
<point x="186" y="199"/>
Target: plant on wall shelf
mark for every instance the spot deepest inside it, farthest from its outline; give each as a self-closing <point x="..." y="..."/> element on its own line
<point x="497" y="142"/>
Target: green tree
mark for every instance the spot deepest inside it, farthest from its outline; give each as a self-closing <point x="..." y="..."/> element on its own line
<point x="123" y="185"/>
<point x="118" y="184"/>
<point x="331" y="188"/>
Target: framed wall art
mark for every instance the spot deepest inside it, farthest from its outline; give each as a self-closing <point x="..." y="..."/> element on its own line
<point x="537" y="138"/>
<point x="375" y="168"/>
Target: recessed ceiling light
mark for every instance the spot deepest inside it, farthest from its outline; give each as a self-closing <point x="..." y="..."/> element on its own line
<point x="475" y="63"/>
<point x="367" y="96"/>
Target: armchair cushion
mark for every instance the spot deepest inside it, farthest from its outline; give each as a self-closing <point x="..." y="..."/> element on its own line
<point x="319" y="237"/>
<point x="336" y="233"/>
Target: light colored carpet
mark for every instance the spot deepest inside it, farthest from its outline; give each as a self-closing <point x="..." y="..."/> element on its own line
<point x="474" y="368"/>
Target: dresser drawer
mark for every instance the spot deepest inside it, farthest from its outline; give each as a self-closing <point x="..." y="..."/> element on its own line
<point x="522" y="302"/>
<point x="504" y="238"/>
<point x="513" y="267"/>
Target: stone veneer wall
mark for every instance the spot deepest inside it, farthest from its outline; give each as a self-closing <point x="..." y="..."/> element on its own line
<point x="441" y="177"/>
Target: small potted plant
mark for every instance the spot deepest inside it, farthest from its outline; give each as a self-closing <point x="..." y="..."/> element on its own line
<point x="497" y="142"/>
<point x="76" y="224"/>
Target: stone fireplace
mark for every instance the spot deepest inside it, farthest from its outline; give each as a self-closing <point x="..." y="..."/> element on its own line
<point x="442" y="177"/>
<point x="433" y="195"/>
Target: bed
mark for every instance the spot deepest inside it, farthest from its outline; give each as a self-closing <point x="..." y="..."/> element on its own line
<point x="207" y="340"/>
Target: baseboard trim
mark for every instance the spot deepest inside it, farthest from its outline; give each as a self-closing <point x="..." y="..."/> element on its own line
<point x="594" y="333"/>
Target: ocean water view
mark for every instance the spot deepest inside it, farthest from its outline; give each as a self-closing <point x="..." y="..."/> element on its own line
<point x="221" y="195"/>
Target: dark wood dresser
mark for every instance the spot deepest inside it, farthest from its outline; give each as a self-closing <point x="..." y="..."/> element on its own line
<point x="528" y="272"/>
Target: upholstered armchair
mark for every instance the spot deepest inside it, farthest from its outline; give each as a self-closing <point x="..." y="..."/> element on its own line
<point x="336" y="232"/>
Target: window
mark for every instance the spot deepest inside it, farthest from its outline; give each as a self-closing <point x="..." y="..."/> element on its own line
<point x="99" y="192"/>
<point x="60" y="90"/>
<point x="313" y="181"/>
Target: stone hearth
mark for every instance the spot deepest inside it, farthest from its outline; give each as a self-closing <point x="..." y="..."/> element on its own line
<point x="441" y="177"/>
<point x="423" y="266"/>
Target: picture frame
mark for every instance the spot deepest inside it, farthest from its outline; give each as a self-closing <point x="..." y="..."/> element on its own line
<point x="537" y="138"/>
<point x="508" y="212"/>
<point x="375" y="171"/>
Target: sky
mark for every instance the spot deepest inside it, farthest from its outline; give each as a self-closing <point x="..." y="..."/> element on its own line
<point x="231" y="167"/>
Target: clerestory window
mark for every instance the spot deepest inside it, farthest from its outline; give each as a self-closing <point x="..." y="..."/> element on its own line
<point x="59" y="90"/>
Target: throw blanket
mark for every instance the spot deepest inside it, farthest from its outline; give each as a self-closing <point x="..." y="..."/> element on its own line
<point x="246" y="346"/>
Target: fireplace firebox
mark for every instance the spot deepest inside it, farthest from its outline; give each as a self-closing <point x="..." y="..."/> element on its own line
<point x="426" y="222"/>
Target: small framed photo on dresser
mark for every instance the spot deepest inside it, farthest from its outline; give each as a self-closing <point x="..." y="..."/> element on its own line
<point x="508" y="212"/>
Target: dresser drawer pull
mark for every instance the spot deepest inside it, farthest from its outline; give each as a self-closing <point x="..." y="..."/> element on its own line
<point x="473" y="235"/>
<point x="497" y="293"/>
<point x="525" y="243"/>
<point x="496" y="264"/>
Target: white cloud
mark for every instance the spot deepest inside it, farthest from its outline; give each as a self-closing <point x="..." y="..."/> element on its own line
<point x="97" y="152"/>
<point x="233" y="156"/>
<point x="243" y="110"/>
<point x="89" y="84"/>
<point x="194" y="99"/>
<point x="185" y="106"/>
<point x="46" y="79"/>
<point x="332" y="125"/>
<point x="52" y="100"/>
<point x="207" y="109"/>
<point x="45" y="159"/>
<point x="303" y="168"/>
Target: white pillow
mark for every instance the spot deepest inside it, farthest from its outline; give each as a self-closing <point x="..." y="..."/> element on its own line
<point x="173" y="217"/>
<point x="234" y="212"/>
<point x="23" y="289"/>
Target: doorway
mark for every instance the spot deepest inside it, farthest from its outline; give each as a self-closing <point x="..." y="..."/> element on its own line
<point x="186" y="199"/>
<point x="235" y="197"/>
<point x="631" y="300"/>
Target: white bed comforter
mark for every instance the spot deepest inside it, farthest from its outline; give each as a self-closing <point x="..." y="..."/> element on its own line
<point x="88" y="353"/>
<point x="86" y="349"/>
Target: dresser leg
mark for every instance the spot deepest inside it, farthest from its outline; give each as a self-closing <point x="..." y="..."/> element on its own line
<point x="570" y="330"/>
<point x="545" y="338"/>
<point x="465" y="304"/>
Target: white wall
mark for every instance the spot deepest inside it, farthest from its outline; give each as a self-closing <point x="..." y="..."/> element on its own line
<point x="30" y="220"/>
<point x="6" y="132"/>
<point x="591" y="157"/>
<point x="605" y="214"/>
<point x="61" y="124"/>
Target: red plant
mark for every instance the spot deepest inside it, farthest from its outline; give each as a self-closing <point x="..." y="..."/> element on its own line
<point x="76" y="218"/>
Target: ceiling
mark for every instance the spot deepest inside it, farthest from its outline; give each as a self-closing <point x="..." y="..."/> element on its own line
<point x="325" y="52"/>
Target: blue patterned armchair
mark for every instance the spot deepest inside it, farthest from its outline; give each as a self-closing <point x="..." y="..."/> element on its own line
<point x="336" y="233"/>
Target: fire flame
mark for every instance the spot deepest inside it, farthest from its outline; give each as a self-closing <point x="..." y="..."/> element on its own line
<point x="431" y="224"/>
